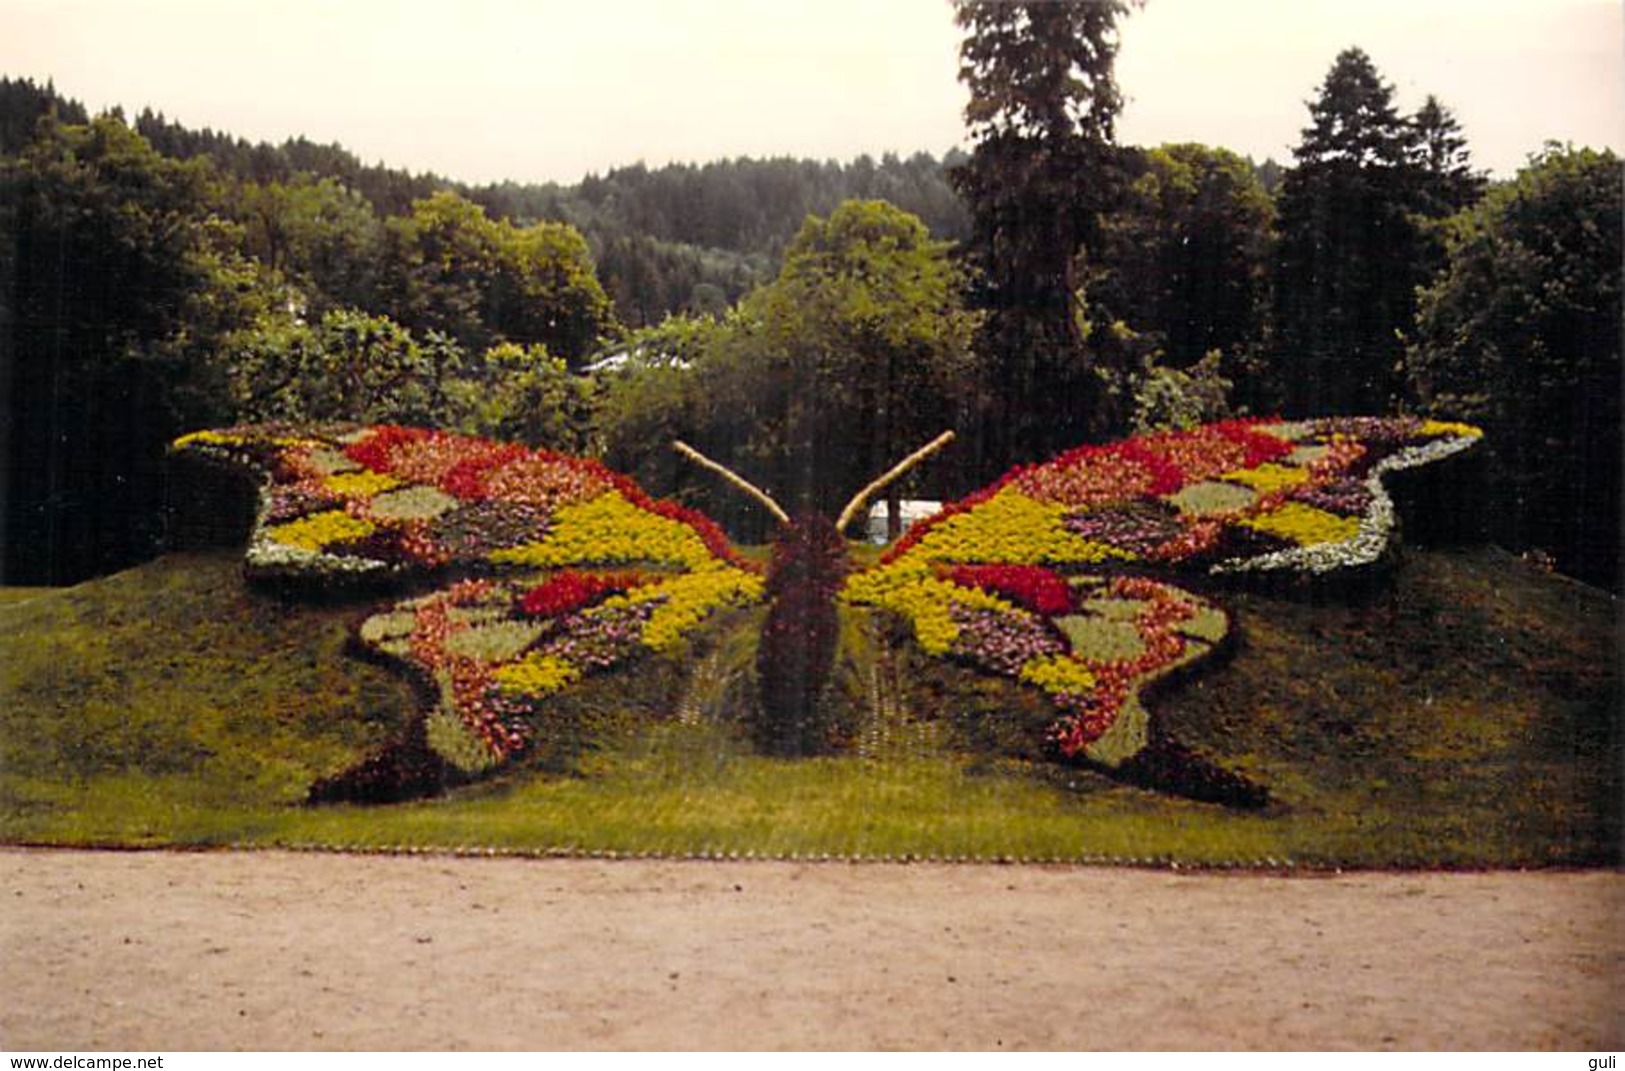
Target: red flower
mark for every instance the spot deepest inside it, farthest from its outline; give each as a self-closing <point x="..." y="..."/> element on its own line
<point x="710" y="533"/>
<point x="569" y="590"/>
<point x="377" y="449"/>
<point x="467" y="478"/>
<point x="1032" y="586"/>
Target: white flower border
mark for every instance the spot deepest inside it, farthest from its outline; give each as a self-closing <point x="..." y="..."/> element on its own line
<point x="267" y="557"/>
<point x="1376" y="526"/>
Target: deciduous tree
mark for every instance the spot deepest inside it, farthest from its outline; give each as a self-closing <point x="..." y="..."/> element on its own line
<point x="1521" y="333"/>
<point x="1187" y="254"/>
<point x="115" y="289"/>
<point x="847" y="360"/>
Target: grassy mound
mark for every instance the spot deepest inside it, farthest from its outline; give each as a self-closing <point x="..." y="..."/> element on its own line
<point x="1463" y="711"/>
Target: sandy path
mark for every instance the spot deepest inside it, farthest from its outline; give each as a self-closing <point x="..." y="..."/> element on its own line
<point x="274" y="951"/>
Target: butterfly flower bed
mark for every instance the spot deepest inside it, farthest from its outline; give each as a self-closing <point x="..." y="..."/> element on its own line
<point x="1008" y="581"/>
<point x="347" y="501"/>
<point x="557" y="569"/>
<point x="569" y="569"/>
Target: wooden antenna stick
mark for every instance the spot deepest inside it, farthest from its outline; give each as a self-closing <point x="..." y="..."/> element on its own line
<point x="733" y="478"/>
<point x="849" y="514"/>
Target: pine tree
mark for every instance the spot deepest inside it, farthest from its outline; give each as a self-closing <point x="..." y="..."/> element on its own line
<point x="1351" y="252"/>
<point x="1042" y="111"/>
<point x="1439" y="153"/>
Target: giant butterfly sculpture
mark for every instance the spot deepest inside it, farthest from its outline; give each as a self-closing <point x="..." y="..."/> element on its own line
<point x="535" y="570"/>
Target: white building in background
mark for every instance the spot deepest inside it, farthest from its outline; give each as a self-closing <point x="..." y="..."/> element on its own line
<point x="913" y="511"/>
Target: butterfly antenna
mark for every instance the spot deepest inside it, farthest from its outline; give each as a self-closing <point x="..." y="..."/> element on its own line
<point x="861" y="499"/>
<point x="734" y="478"/>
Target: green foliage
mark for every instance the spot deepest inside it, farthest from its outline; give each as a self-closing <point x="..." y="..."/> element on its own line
<point x="368" y="369"/>
<point x="1185" y="260"/>
<point x="449" y="268"/>
<point x="349" y="366"/>
<point x="652" y="400"/>
<point x="1043" y="106"/>
<point x="650" y="279"/>
<point x="23" y="104"/>
<point x="860" y="341"/>
<point x="317" y="233"/>
<point x="522" y="394"/>
<point x="116" y="287"/>
<point x="1521" y="335"/>
<point x="1354" y="243"/>
<point x="390" y="192"/>
<point x="1178" y="398"/>
<point x="1439" y="151"/>
<point x="738" y="205"/>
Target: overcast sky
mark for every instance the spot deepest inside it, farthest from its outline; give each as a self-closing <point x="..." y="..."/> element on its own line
<point x="533" y="90"/>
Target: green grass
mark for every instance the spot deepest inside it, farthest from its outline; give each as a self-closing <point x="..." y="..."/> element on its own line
<point x="1463" y="712"/>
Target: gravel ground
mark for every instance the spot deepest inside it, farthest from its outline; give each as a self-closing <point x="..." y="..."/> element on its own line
<point x="267" y="950"/>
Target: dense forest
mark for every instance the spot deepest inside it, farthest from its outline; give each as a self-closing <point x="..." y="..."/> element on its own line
<point x="1048" y="287"/>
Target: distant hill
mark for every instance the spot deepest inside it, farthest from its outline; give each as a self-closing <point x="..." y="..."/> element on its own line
<point x="681" y="236"/>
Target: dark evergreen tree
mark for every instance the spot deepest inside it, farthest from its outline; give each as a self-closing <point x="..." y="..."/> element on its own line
<point x="23" y="104"/>
<point x="1445" y="181"/>
<point x="1043" y="168"/>
<point x="1448" y="182"/>
<point x="1350" y="254"/>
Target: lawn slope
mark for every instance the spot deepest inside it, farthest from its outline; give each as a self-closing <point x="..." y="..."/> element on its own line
<point x="1460" y="711"/>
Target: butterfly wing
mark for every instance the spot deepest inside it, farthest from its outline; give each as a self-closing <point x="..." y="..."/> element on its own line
<point x="1063" y="576"/>
<point x="546" y="569"/>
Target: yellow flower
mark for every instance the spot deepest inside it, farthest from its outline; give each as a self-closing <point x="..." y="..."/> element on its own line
<point x="360" y="484"/>
<point x="908" y="588"/>
<point x="687" y="599"/>
<point x="1058" y="675"/>
<point x="1306" y="525"/>
<point x="317" y="531"/>
<point x="1436" y="428"/>
<point x="212" y="438"/>
<point x="611" y="529"/>
<point x="537" y="674"/>
<point x="1012" y="528"/>
<point x="1269" y="478"/>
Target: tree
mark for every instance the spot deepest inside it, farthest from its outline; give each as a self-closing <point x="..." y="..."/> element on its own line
<point x="654" y="398"/>
<point x="1445" y="181"/>
<point x="1521" y="333"/>
<point x="348" y="366"/>
<point x="542" y="291"/>
<point x="1357" y="238"/>
<point x="1041" y="116"/>
<point x="450" y="268"/>
<point x="1347" y="261"/>
<point x="848" y="359"/>
<point x="317" y="233"/>
<point x="435" y="266"/>
<point x="815" y="382"/>
<point x="1185" y="259"/>
<point x="1439" y="153"/>
<point x="23" y="104"/>
<point x="116" y="287"/>
<point x="522" y="394"/>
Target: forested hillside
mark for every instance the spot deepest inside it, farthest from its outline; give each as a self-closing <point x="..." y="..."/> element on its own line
<point x="683" y="237"/>
<point x="1047" y="288"/>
